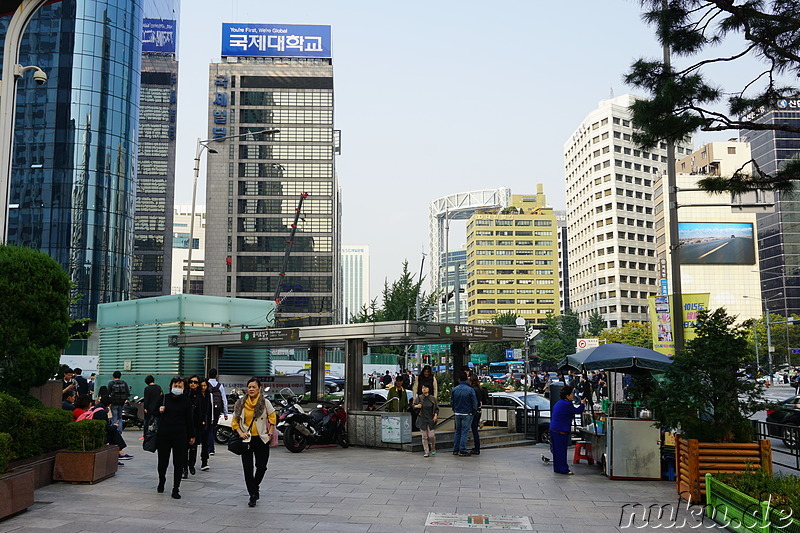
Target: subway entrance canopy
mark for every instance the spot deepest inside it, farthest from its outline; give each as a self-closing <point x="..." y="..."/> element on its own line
<point x="353" y="338"/>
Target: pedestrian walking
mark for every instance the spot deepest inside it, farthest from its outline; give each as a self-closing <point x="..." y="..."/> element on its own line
<point x="151" y="402"/>
<point x="464" y="403"/>
<point x="426" y="377"/>
<point x="199" y="421"/>
<point x="119" y="391"/>
<point x="82" y="383"/>
<point x="206" y="425"/>
<point x="561" y="418"/>
<point x="219" y="406"/>
<point x="426" y="419"/>
<point x="175" y="434"/>
<point x="397" y="397"/>
<point x="254" y="419"/>
<point x="483" y="398"/>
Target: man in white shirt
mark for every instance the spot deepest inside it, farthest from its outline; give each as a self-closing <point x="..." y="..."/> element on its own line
<point x="219" y="406"/>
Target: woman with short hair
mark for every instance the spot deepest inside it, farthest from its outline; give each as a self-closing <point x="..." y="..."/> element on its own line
<point x="254" y="420"/>
<point x="175" y="434"/>
<point x="561" y="417"/>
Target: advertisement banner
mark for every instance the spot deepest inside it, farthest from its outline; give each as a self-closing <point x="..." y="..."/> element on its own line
<point x="158" y="36"/>
<point x="276" y="40"/>
<point x="716" y="243"/>
<point x="662" y="323"/>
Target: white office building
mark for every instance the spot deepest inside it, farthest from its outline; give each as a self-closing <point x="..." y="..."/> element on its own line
<point x="610" y="215"/>
<point x="181" y="218"/>
<point x="355" y="279"/>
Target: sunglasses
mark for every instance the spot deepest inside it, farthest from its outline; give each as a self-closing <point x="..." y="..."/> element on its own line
<point x="194" y="381"/>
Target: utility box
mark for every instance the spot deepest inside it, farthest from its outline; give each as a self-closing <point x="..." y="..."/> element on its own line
<point x="396" y="428"/>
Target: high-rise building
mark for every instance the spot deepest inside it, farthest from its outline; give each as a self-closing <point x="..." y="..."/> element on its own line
<point x="563" y="260"/>
<point x="274" y="76"/>
<point x="610" y="226"/>
<point x="74" y="157"/>
<point x="155" y="186"/>
<point x="717" y="247"/>
<point x="512" y="261"/>
<point x="779" y="231"/>
<point x="181" y="220"/>
<point x="355" y="279"/>
<point x="454" y="282"/>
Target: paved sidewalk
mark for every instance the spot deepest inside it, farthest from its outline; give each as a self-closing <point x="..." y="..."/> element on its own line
<point x="337" y="490"/>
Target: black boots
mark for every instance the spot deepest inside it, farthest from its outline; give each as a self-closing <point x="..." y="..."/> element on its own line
<point x="160" y="487"/>
<point x="185" y="473"/>
<point x="252" y="502"/>
<point x="176" y="494"/>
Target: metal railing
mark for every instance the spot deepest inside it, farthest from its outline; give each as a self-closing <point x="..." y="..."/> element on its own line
<point x="785" y="442"/>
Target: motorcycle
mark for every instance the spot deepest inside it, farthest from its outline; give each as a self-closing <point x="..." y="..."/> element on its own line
<point x="327" y="424"/>
<point x="224" y="430"/>
<point x="133" y="413"/>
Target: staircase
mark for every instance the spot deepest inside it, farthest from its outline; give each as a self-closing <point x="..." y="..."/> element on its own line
<point x="490" y="438"/>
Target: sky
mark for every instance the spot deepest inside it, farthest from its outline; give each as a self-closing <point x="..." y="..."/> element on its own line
<point x="432" y="99"/>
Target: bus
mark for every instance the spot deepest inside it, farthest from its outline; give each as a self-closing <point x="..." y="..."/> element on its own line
<point x="498" y="370"/>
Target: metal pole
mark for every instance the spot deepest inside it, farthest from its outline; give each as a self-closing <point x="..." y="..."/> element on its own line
<point x="755" y="339"/>
<point x="672" y="209"/>
<point x="8" y="100"/>
<point x="198" y="152"/>
<point x="769" y="344"/>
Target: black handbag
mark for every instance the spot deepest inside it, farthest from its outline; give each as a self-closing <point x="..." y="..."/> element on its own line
<point x="150" y="443"/>
<point x="236" y="444"/>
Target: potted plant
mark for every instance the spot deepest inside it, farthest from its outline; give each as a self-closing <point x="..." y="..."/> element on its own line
<point x="754" y="501"/>
<point x="87" y="458"/>
<point x="705" y="396"/>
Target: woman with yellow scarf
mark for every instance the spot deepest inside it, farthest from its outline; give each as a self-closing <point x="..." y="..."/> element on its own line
<point x="254" y="419"/>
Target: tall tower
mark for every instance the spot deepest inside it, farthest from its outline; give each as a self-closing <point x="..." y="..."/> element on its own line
<point x="274" y="76"/>
<point x="610" y="224"/>
<point x="155" y="186"/>
<point x="778" y="232"/>
<point x="355" y="279"/>
<point x="75" y="144"/>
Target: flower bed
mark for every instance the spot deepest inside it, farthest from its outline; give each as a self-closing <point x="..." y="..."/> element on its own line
<point x="765" y="503"/>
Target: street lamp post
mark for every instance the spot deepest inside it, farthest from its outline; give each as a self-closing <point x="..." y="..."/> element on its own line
<point x="770" y="348"/>
<point x="12" y="71"/>
<point x="203" y="145"/>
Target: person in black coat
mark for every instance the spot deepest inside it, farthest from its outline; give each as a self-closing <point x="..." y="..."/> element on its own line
<point x="175" y="434"/>
<point x="199" y="421"/>
<point x="151" y="402"/>
<point x="483" y="398"/>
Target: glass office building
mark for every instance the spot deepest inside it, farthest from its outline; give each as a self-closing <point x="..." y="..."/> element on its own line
<point x="74" y="157"/>
<point x="778" y="232"/>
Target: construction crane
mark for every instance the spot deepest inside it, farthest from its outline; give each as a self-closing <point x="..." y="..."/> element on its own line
<point x="289" y="243"/>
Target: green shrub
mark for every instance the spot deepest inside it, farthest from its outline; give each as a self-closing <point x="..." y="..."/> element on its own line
<point x="491" y="386"/>
<point x="10" y="410"/>
<point x="5" y="451"/>
<point x="86" y="435"/>
<point x="445" y="382"/>
<point x="783" y="491"/>
<point x="40" y="431"/>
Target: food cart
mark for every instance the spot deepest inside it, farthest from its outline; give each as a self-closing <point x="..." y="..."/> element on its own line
<point x="622" y="435"/>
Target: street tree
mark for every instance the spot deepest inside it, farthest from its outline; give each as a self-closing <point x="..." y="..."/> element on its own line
<point x="35" y="321"/>
<point x="549" y="346"/>
<point x="633" y="333"/>
<point x="569" y="327"/>
<point x="496" y="351"/>
<point x="685" y="99"/>
<point x="596" y="324"/>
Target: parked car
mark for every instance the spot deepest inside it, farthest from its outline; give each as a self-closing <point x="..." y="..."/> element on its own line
<point x="331" y="384"/>
<point x="787" y="413"/>
<point x="378" y="398"/>
<point x="516" y="399"/>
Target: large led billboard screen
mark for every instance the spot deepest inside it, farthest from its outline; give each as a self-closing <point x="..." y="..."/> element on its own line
<point x="716" y="243"/>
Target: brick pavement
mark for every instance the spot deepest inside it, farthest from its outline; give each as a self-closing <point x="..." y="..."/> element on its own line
<point x="337" y="490"/>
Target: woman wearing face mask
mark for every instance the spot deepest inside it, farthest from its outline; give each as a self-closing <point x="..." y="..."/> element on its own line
<point x="175" y="433"/>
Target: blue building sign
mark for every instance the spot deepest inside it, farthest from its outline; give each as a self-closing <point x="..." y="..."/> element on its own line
<point x="158" y="35"/>
<point x="276" y="40"/>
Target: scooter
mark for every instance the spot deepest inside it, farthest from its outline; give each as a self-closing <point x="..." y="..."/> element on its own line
<point x="133" y="413"/>
<point x="327" y="424"/>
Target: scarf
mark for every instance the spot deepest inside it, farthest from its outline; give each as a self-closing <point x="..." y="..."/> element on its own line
<point x="252" y="408"/>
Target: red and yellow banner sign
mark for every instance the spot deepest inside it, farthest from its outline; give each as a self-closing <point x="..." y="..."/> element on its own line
<point x="662" y="320"/>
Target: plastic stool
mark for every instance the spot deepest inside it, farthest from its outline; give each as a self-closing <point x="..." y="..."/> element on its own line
<point x="669" y="473"/>
<point x="583" y="450"/>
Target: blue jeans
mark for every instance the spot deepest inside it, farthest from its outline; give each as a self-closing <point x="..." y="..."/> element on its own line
<point x="463" y="423"/>
<point x="116" y="416"/>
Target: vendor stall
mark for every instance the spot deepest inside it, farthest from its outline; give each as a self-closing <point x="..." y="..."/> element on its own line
<point x="622" y="435"/>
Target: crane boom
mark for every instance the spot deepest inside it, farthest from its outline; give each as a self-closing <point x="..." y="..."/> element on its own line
<point x="289" y="243"/>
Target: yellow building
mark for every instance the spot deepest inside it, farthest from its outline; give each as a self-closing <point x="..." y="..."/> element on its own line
<point x="512" y="261"/>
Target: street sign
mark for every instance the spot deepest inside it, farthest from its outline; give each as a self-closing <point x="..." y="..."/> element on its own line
<point x="470" y="332"/>
<point x="267" y="335"/>
<point x="585" y="344"/>
<point x="795" y="350"/>
<point x="517" y="353"/>
<point x="664" y="287"/>
<point x="509" y="353"/>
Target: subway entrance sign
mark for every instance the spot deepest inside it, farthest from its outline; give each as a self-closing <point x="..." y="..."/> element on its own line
<point x="470" y="332"/>
<point x="267" y="335"/>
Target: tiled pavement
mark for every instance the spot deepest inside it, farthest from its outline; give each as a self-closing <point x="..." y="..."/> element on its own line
<point x="338" y="490"/>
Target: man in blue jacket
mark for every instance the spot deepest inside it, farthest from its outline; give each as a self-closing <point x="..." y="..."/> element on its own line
<point x="465" y="404"/>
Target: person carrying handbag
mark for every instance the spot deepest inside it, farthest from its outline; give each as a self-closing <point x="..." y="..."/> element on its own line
<point x="254" y="420"/>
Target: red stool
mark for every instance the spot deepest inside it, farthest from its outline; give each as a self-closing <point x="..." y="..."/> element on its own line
<point x="583" y="450"/>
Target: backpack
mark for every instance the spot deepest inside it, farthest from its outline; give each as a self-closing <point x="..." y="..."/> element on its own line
<point x="216" y="398"/>
<point x="89" y="414"/>
<point x="118" y="390"/>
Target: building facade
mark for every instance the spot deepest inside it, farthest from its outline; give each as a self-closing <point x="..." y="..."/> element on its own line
<point x="454" y="282"/>
<point x="512" y="261"/>
<point x="155" y="185"/>
<point x="355" y="279"/>
<point x="779" y="231"/>
<point x="563" y="260"/>
<point x="74" y="157"/>
<point x="610" y="225"/>
<point x="181" y="220"/>
<point x="718" y="249"/>
<point x="279" y="78"/>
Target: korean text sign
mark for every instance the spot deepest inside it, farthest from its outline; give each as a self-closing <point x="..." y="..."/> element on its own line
<point x="276" y="40"/>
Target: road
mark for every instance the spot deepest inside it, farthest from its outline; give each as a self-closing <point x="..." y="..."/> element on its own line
<point x="781" y="458"/>
<point x="725" y="251"/>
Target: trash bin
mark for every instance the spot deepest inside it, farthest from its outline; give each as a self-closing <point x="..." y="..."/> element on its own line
<point x="555" y="393"/>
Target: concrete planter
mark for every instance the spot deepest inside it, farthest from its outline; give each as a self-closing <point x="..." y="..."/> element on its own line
<point x="693" y="460"/>
<point x="86" y="467"/>
<point x="16" y="492"/>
